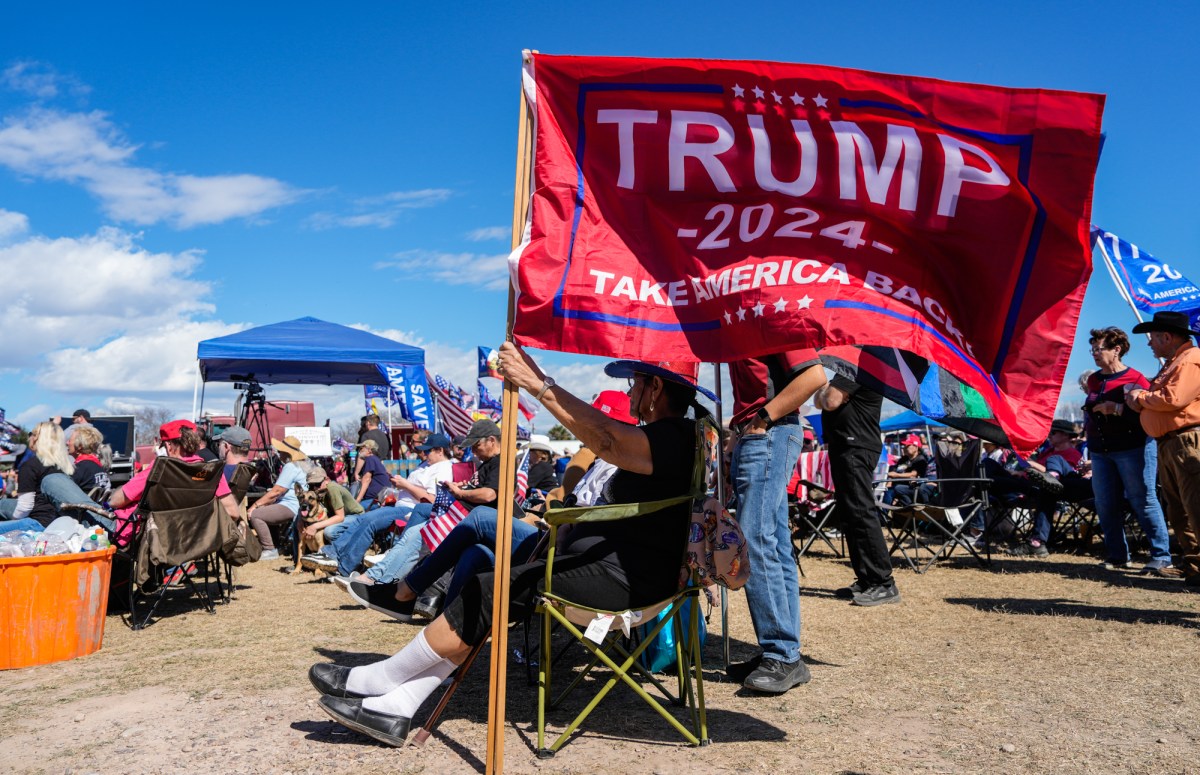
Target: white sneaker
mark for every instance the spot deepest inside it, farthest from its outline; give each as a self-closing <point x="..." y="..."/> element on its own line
<point x="344" y="581"/>
<point x="371" y="560"/>
<point x="269" y="554"/>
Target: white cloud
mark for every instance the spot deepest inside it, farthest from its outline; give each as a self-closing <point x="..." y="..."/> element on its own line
<point x="490" y="272"/>
<point x="490" y="233"/>
<point x="86" y="149"/>
<point x="77" y="292"/>
<point x="380" y="211"/>
<point x="154" y="360"/>
<point x="40" y="80"/>
<point x="12" y="224"/>
<point x="31" y="416"/>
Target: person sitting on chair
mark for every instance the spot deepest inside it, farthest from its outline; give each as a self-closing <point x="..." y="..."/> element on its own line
<point x="470" y="547"/>
<point x="34" y="509"/>
<point x="85" y="448"/>
<point x="180" y="439"/>
<point x="610" y="565"/>
<point x="279" y="504"/>
<point x="913" y="464"/>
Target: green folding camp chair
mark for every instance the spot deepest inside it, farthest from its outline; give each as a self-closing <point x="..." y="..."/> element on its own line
<point x="606" y="627"/>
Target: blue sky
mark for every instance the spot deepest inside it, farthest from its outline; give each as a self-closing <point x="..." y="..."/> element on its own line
<point x="174" y="172"/>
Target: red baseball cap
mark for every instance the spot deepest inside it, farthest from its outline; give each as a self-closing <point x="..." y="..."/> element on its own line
<point x="615" y="404"/>
<point x="913" y="439"/>
<point x="170" y="431"/>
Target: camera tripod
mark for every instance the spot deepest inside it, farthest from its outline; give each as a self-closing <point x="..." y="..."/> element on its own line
<point x="251" y="410"/>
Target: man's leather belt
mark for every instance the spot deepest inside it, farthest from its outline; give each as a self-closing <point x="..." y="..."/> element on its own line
<point x="1178" y="432"/>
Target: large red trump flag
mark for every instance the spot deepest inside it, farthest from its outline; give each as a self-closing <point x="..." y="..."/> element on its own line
<point x="710" y="210"/>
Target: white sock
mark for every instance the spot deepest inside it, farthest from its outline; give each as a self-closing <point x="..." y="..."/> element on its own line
<point x="405" y="700"/>
<point x="406" y="664"/>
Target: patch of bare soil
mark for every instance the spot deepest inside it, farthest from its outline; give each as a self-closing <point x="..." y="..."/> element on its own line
<point x="1034" y="666"/>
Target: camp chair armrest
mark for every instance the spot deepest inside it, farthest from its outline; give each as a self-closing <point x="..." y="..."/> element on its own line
<point x="610" y="512"/>
<point x="814" y="486"/>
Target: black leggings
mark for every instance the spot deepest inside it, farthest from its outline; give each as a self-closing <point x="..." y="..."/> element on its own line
<point x="578" y="578"/>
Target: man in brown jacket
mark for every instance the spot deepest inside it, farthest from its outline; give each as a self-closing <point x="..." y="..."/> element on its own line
<point x="1170" y="413"/>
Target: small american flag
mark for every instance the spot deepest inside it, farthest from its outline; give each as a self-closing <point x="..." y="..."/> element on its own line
<point x="447" y="512"/>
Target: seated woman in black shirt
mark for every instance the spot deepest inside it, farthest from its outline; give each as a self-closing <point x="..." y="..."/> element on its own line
<point x="49" y="457"/>
<point x="619" y="565"/>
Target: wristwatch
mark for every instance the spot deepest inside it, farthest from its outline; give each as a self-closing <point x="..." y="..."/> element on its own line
<point x="764" y="415"/>
<point x="547" y="383"/>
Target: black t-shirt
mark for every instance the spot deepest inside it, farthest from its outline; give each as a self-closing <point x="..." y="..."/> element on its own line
<point x="381" y="441"/>
<point x="854" y="424"/>
<point x="487" y="475"/>
<point x="89" y="474"/>
<point x="920" y="464"/>
<point x="206" y="454"/>
<point x="29" y="479"/>
<point x="542" y="476"/>
<point x="648" y="550"/>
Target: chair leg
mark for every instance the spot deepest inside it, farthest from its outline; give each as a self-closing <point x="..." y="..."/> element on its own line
<point x="424" y="732"/>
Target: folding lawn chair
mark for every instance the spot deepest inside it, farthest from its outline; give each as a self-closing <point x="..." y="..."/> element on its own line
<point x="926" y="533"/>
<point x="606" y="645"/>
<point x="179" y="530"/>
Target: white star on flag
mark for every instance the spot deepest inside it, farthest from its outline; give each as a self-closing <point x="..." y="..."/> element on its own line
<point x="758" y="92"/>
<point x="805" y="302"/>
<point x="780" y="305"/>
<point x="797" y="99"/>
<point x="728" y="318"/>
<point x="778" y="97"/>
<point x="741" y="313"/>
<point x="738" y="91"/>
<point x="821" y="101"/>
<point x="758" y="309"/>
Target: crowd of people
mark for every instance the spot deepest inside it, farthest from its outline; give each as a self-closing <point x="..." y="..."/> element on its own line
<point x="1140" y="437"/>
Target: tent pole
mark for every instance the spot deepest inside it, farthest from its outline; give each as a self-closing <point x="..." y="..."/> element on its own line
<point x="508" y="445"/>
<point x="721" y="500"/>
<point x="196" y="392"/>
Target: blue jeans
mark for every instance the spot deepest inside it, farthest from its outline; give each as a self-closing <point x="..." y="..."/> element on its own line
<point x="762" y="466"/>
<point x="402" y="557"/>
<point x="1131" y="473"/>
<point x="351" y="545"/>
<point x="62" y="489"/>
<point x="471" y="549"/>
<point x="24" y="523"/>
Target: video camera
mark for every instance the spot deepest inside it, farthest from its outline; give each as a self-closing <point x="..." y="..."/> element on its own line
<point x="254" y="390"/>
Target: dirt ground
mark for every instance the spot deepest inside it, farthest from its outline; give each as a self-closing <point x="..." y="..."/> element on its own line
<point x="1035" y="666"/>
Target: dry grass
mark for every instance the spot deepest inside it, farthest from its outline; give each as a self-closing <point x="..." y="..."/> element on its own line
<point x="1038" y="666"/>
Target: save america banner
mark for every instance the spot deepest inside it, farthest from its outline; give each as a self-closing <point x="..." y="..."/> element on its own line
<point x="716" y="210"/>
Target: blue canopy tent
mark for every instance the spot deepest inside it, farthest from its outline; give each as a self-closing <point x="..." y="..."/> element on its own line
<point x="308" y="351"/>
<point x="906" y="420"/>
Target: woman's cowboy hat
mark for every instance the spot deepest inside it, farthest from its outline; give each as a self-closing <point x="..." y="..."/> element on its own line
<point x="290" y="446"/>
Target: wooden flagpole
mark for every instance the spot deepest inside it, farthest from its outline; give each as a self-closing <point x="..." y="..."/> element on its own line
<point x="508" y="460"/>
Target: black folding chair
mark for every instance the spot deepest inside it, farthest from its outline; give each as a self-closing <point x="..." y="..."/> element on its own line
<point x="926" y="533"/>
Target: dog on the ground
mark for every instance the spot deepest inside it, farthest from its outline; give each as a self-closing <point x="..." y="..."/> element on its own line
<point x="314" y="511"/>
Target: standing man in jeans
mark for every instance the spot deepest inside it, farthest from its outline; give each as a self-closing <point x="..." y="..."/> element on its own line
<point x="850" y="423"/>
<point x="767" y="393"/>
<point x="1170" y="413"/>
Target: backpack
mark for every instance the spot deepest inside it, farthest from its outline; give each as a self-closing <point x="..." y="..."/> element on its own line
<point x="716" y="548"/>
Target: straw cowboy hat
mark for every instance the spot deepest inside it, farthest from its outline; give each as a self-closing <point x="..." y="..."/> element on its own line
<point x="290" y="446"/>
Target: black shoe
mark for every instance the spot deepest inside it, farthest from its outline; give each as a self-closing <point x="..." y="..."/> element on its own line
<point x="1029" y="550"/>
<point x="330" y="679"/>
<point x="740" y="671"/>
<point x="881" y="594"/>
<point x="1044" y="481"/>
<point x="428" y="605"/>
<point x="848" y="593"/>
<point x="381" y="598"/>
<point x="351" y="714"/>
<point x="775" y="677"/>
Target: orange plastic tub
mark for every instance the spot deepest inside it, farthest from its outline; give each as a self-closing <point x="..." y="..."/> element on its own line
<point x="52" y="608"/>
